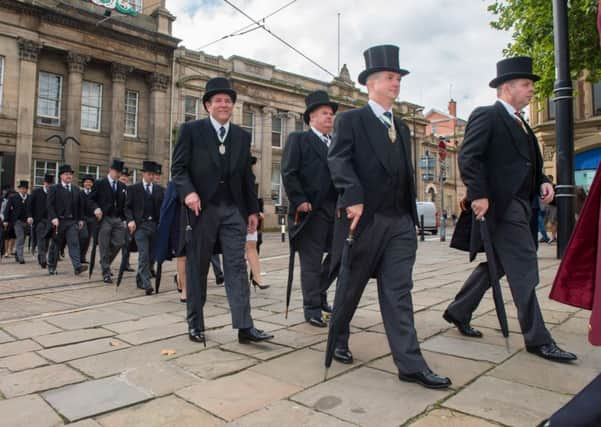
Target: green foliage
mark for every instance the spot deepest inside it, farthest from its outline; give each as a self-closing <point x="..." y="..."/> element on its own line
<point x="531" y="25"/>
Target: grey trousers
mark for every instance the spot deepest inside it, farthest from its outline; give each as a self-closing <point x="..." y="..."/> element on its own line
<point x="223" y="223"/>
<point x="145" y="235"/>
<point x="67" y="230"/>
<point x="311" y="244"/>
<point x="41" y="231"/>
<point x="20" y="233"/>
<point x="111" y="238"/>
<point x="516" y="257"/>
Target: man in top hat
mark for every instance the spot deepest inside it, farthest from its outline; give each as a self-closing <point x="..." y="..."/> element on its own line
<point x="312" y="196"/>
<point x="158" y="173"/>
<point x="15" y="215"/>
<point x="213" y="176"/>
<point x="90" y="221"/>
<point x="144" y="201"/>
<point x="109" y="195"/>
<point x="66" y="211"/>
<point x="501" y="165"/>
<point x="370" y="164"/>
<point x="124" y="178"/>
<point x="37" y="218"/>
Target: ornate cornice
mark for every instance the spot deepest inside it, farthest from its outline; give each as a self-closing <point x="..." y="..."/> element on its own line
<point x="29" y="49"/>
<point x="119" y="72"/>
<point x="269" y="111"/>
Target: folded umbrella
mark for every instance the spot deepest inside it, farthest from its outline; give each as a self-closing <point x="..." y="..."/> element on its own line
<point x="93" y="253"/>
<point x="290" y="268"/>
<point x="494" y="280"/>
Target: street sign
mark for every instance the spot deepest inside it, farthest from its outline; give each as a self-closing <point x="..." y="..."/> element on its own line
<point x="442" y="149"/>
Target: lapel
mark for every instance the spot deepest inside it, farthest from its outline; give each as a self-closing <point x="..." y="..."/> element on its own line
<point x="207" y="129"/>
<point x="235" y="146"/>
<point x="317" y="145"/>
<point x="377" y="136"/>
<point x="520" y="139"/>
<point x="405" y="147"/>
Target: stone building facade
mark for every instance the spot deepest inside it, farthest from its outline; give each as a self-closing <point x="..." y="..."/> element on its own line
<point x="73" y="68"/>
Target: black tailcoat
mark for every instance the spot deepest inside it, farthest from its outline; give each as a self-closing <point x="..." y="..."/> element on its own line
<point x="60" y="201"/>
<point x="134" y="209"/>
<point x="37" y="207"/>
<point x="16" y="208"/>
<point x="111" y="203"/>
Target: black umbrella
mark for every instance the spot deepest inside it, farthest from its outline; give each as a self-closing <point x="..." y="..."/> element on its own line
<point x="157" y="282"/>
<point x="93" y="254"/>
<point x="290" y="268"/>
<point x="33" y="241"/>
<point x="494" y="280"/>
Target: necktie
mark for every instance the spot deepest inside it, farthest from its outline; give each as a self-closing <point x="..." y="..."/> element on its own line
<point x="114" y="186"/>
<point x="68" y="187"/>
<point x="326" y="139"/>
<point x="221" y="133"/>
<point x="388" y="120"/>
<point x="148" y="189"/>
<point x="518" y="117"/>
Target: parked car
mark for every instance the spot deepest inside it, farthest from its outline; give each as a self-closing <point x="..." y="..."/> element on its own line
<point x="431" y="219"/>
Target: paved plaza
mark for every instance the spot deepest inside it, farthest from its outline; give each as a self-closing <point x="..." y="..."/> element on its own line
<point x="79" y="353"/>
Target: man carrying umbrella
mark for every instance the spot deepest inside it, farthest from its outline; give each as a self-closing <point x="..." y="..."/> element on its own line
<point x="370" y="163"/>
<point x="15" y="214"/>
<point x="142" y="210"/>
<point x="312" y="198"/>
<point x="37" y="218"/>
<point x="502" y="167"/>
<point x="125" y="252"/>
<point x="87" y="233"/>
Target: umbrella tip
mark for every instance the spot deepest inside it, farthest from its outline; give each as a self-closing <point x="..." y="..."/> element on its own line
<point x="286" y="315"/>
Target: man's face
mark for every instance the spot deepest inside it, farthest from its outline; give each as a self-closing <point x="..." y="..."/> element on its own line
<point x="384" y="84"/>
<point x="124" y="179"/>
<point x="88" y="184"/>
<point x="520" y="92"/>
<point x="157" y="178"/>
<point x="220" y="107"/>
<point x="22" y="190"/>
<point x="322" y="119"/>
<point x="148" y="177"/>
<point x="67" y="177"/>
<point x="114" y="174"/>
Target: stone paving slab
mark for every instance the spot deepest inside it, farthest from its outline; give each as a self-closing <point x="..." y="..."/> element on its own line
<point x="296" y="339"/>
<point x="38" y="379"/>
<point x="90" y="318"/>
<point x="28" y="411"/>
<point x="72" y="337"/>
<point x="18" y="347"/>
<point x="90" y="398"/>
<point x="159" y="378"/>
<point x="468" y="349"/>
<point x="507" y="402"/>
<point x="295" y="415"/>
<point x="85" y="423"/>
<point x="490" y="336"/>
<point x="237" y="395"/>
<point x="156" y="308"/>
<point x="164" y="412"/>
<point x="83" y="349"/>
<point x="30" y="328"/>
<point x="148" y="322"/>
<point x="4" y="337"/>
<point x="369" y="397"/>
<point x="214" y="363"/>
<point x="365" y="346"/>
<point x="263" y="350"/>
<point x="155" y="334"/>
<point x="22" y="361"/>
<point x="446" y="418"/>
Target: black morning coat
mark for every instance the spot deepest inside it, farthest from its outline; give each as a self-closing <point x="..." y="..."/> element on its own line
<point x="61" y="201"/>
<point x="134" y="209"/>
<point x="112" y="204"/>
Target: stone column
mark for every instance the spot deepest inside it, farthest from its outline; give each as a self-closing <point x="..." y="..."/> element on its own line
<point x="266" y="156"/>
<point x="290" y="125"/>
<point x="28" y="55"/>
<point x="158" y="118"/>
<point x="119" y="74"/>
<point x="77" y="64"/>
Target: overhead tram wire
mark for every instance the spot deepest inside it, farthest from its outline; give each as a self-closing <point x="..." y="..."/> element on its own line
<point x="280" y="39"/>
<point x="250" y="27"/>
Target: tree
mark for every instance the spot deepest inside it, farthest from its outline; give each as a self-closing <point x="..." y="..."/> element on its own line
<point x="531" y="23"/>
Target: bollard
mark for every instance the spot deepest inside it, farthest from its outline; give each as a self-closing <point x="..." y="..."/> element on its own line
<point x="422" y="232"/>
<point x="443" y="229"/>
<point x="283" y="230"/>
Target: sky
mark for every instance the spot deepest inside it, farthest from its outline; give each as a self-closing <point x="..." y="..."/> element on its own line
<point x="448" y="46"/>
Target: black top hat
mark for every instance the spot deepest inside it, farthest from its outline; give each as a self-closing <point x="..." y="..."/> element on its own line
<point x="64" y="168"/>
<point x="158" y="168"/>
<point x="317" y="99"/>
<point x="125" y="171"/>
<point x="23" y="184"/>
<point x="117" y="164"/>
<point x="218" y="85"/>
<point x="88" y="178"/>
<point x="49" y="178"/>
<point x="518" y="67"/>
<point x="381" y="58"/>
<point x="148" y="166"/>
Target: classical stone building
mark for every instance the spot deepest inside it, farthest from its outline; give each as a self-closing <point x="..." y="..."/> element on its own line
<point x="587" y="130"/>
<point x="83" y="70"/>
<point x="270" y="106"/>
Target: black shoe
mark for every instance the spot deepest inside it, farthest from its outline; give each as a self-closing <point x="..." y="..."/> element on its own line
<point x="343" y="355"/>
<point x="543" y="240"/>
<point x="325" y="307"/>
<point x="318" y="322"/>
<point x="52" y="271"/>
<point x="44" y="265"/>
<point x="197" y="336"/>
<point x="258" y="285"/>
<point x="107" y="279"/>
<point x="463" y="328"/>
<point x="130" y="270"/>
<point x="220" y="280"/>
<point x="85" y="262"/>
<point x="552" y="352"/>
<point x="81" y="269"/>
<point x="427" y="378"/>
<point x="177" y="284"/>
<point x="252" y="335"/>
<point x="182" y="300"/>
<point x="21" y="261"/>
<point x="149" y="290"/>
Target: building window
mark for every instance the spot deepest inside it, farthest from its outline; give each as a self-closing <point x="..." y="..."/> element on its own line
<point x="551" y="108"/>
<point x="93" y="170"/>
<point x="131" y="113"/>
<point x="137" y="5"/>
<point x="49" y="98"/>
<point x="248" y="121"/>
<point x="191" y="104"/>
<point x="91" y="106"/>
<point x="597" y="99"/>
<point x="299" y="125"/>
<point x="1" y="79"/>
<point x="276" y="131"/>
<point x="276" y="184"/>
<point x="41" y="168"/>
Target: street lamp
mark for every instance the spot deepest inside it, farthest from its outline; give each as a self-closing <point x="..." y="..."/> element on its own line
<point x="63" y="141"/>
<point x="414" y="112"/>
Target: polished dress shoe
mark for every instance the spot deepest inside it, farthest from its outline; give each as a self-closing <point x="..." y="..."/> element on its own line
<point x="220" y="279"/>
<point x="464" y="328"/>
<point x="343" y="355"/>
<point x="252" y="335"/>
<point x="81" y="269"/>
<point x="552" y="352"/>
<point x="44" y="265"/>
<point x="197" y="336"/>
<point x="318" y="322"/>
<point x="129" y="269"/>
<point x="325" y="307"/>
<point x="107" y="279"/>
<point x="427" y="378"/>
<point x="149" y="290"/>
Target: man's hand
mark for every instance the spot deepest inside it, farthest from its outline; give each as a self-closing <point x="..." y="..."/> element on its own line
<point x="98" y="214"/>
<point x="81" y="224"/>
<point x="354" y="213"/>
<point x="463" y="204"/>
<point x="5" y="224"/>
<point x="30" y="220"/>
<point x="480" y="207"/>
<point x="54" y="222"/>
<point x="131" y="226"/>
<point x="304" y="207"/>
<point x="547" y="192"/>
<point x="193" y="202"/>
<point x="253" y="222"/>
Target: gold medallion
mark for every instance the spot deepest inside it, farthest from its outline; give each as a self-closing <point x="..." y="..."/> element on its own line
<point x="392" y="134"/>
<point x="221" y="149"/>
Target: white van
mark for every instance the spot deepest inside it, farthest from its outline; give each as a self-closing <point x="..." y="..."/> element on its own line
<point x="431" y="220"/>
